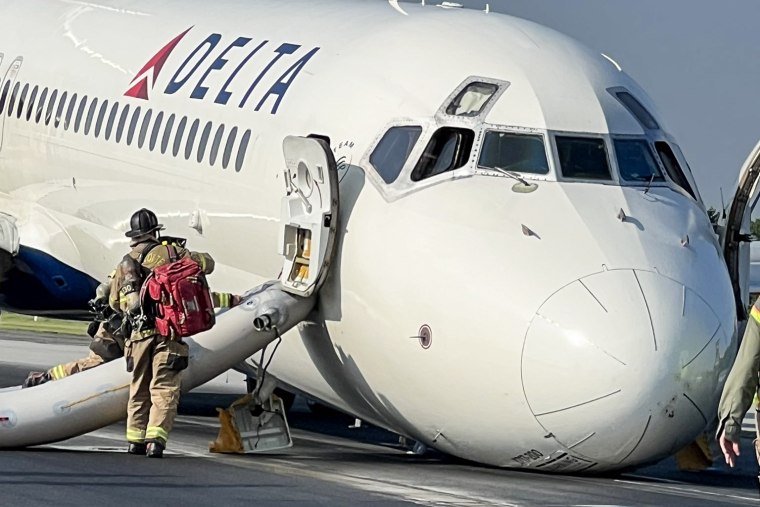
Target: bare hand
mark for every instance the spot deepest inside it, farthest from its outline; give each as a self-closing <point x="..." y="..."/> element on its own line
<point x="730" y="450"/>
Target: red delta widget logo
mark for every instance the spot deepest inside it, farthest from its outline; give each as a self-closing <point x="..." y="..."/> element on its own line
<point x="205" y="77"/>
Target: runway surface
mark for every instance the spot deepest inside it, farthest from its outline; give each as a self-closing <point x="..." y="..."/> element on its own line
<point x="329" y="464"/>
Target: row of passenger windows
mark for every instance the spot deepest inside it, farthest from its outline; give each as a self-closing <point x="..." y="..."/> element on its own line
<point x="124" y="123"/>
<point x="583" y="158"/>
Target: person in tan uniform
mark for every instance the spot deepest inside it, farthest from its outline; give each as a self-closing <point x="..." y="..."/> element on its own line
<point x="739" y="390"/>
<point x="107" y="341"/>
<point x="155" y="361"/>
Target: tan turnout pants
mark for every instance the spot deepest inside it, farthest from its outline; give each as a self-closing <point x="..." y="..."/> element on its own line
<point x="64" y="370"/>
<point x="756" y="442"/>
<point x="154" y="392"/>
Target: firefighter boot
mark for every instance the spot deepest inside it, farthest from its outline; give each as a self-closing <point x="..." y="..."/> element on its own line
<point x="155" y="450"/>
<point x="36" y="378"/>
<point x="139" y="449"/>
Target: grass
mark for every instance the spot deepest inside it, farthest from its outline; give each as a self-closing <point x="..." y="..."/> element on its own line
<point x="15" y="321"/>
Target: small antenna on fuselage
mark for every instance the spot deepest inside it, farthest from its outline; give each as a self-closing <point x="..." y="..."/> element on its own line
<point x="722" y="204"/>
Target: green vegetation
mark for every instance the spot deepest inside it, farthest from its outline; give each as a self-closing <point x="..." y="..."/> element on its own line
<point x="754" y="225"/>
<point x="713" y="214"/>
<point x="41" y="324"/>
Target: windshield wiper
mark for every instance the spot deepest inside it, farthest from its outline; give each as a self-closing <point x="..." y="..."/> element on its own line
<point x="650" y="183"/>
<point x="511" y="174"/>
<point x="527" y="187"/>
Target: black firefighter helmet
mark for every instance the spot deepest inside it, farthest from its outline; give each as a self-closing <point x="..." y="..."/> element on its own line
<point x="143" y="221"/>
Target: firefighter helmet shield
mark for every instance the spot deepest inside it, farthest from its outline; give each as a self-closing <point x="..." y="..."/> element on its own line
<point x="143" y="221"/>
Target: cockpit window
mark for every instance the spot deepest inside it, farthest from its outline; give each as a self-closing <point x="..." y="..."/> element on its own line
<point x="394" y="148"/>
<point x="472" y="99"/>
<point x="448" y="149"/>
<point x="636" y="161"/>
<point x="514" y="152"/>
<point x="583" y="158"/>
<point x="643" y="116"/>
<point x="672" y="167"/>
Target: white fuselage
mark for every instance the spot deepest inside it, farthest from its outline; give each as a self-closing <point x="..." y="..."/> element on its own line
<point x="582" y="326"/>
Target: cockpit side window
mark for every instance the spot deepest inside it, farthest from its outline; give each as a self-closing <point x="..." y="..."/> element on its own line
<point x="583" y="158"/>
<point x="672" y="167"/>
<point x="448" y="149"/>
<point x="514" y="152"/>
<point x="472" y="99"/>
<point x="390" y="154"/>
<point x="636" y="161"/>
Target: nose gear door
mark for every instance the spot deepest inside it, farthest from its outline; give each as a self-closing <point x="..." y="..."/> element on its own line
<point x="309" y="214"/>
<point x="736" y="234"/>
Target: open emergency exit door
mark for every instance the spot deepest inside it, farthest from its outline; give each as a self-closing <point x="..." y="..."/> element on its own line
<point x="309" y="214"/>
<point x="736" y="235"/>
<point x="9" y="91"/>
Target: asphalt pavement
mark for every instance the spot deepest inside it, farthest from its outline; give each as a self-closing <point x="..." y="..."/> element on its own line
<point x="331" y="463"/>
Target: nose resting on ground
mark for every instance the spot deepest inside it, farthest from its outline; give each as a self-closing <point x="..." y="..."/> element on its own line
<point x="623" y="363"/>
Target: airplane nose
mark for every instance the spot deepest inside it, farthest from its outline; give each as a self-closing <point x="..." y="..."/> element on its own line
<point x="624" y="363"/>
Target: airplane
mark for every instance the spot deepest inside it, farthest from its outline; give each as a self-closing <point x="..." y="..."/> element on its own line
<point x="501" y="250"/>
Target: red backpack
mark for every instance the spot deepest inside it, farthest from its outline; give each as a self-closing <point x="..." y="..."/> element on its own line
<point x="183" y="305"/>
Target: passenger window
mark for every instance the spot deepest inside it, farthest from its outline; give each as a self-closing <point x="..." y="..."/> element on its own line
<point x="583" y="158"/>
<point x="228" y="147"/>
<point x="101" y="118"/>
<point x="12" y="101"/>
<point x="51" y="106"/>
<point x="70" y="112"/>
<point x="156" y="128"/>
<point x="22" y="101"/>
<point x="133" y="125"/>
<point x="390" y="154"/>
<point x="90" y="116"/>
<point x="4" y="95"/>
<point x="167" y="134"/>
<point x="203" y="142"/>
<point x="672" y="167"/>
<point x="122" y="123"/>
<point x="112" y="120"/>
<point x="215" y="144"/>
<point x="242" y="151"/>
<point x="80" y="114"/>
<point x="191" y="139"/>
<point x="178" y="136"/>
<point x="514" y="152"/>
<point x="448" y="149"/>
<point x="59" y="111"/>
<point x="144" y="128"/>
<point x="41" y="105"/>
<point x="472" y="100"/>
<point x="641" y="114"/>
<point x="636" y="161"/>
<point x="32" y="98"/>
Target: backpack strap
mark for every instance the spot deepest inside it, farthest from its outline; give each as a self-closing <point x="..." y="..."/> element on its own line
<point x="172" y="251"/>
<point x="145" y="252"/>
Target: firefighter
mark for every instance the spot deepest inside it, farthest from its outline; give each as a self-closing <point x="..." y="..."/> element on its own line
<point x="739" y="390"/>
<point x="107" y="342"/>
<point x="155" y="361"/>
